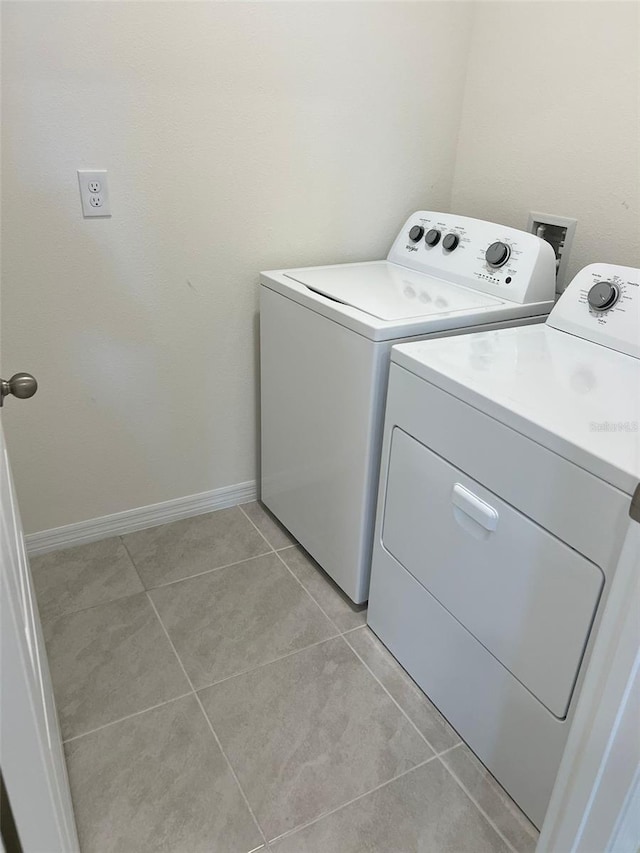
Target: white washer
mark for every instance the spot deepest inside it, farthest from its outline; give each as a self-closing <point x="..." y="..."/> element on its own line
<point x="508" y="465"/>
<point x="325" y="337"/>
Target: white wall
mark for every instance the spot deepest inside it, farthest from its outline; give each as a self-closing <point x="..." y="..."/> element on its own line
<point x="238" y="137"/>
<point x="550" y="122"/>
<point x="246" y="136"/>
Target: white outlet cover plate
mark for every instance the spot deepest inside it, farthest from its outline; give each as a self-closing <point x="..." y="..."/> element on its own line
<point x="90" y="180"/>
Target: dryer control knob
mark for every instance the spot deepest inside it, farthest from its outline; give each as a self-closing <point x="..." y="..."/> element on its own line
<point x="416" y="233"/>
<point x="497" y="254"/>
<point x="603" y="295"/>
<point x="433" y="237"/>
<point x="450" y="242"/>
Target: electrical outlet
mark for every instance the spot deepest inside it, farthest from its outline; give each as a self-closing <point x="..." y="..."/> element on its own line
<point x="94" y="193"/>
<point x="558" y="231"/>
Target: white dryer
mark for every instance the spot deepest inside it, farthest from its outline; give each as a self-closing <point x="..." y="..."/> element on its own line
<point x="325" y="337"/>
<point x="509" y="461"/>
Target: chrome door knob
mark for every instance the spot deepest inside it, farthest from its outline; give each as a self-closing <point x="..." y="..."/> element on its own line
<point x="22" y="385"/>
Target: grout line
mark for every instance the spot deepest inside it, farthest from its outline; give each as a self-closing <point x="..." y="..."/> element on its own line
<point x="256" y="527"/>
<point x="267" y="663"/>
<point x="131" y="560"/>
<point x="128" y="717"/>
<point x="209" y="723"/>
<point x="330" y="584"/>
<point x="352" y="630"/>
<point x="231" y="770"/>
<point x="350" y="802"/>
<point x="277" y="552"/>
<point x="292" y="544"/>
<point x="343" y="637"/>
<point x="366" y="793"/>
<point x="207" y="571"/>
<point x="479" y="807"/>
<point x="152" y="588"/>
<point x="312" y="597"/>
<point x="315" y="601"/>
<point x="510" y="806"/>
<point x="395" y="702"/>
<point x="449" y="749"/>
<point x="66" y="613"/>
<point x="166" y="633"/>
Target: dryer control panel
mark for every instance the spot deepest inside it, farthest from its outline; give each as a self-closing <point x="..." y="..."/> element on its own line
<point x="602" y="304"/>
<point x="495" y="259"/>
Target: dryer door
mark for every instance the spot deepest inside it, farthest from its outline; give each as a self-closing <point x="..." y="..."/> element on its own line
<point x="525" y="595"/>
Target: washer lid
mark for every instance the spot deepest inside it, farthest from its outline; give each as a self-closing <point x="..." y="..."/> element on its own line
<point x="389" y="291"/>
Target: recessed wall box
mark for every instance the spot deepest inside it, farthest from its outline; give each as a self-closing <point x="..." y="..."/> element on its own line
<point x="558" y="231"/>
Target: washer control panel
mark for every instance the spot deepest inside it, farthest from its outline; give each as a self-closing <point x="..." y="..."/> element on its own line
<point x="602" y="304"/>
<point x="494" y="259"/>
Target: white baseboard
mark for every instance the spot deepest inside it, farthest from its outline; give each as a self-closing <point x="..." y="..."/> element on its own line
<point x="139" y="518"/>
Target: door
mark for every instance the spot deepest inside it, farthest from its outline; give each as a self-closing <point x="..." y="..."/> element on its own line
<point x="31" y="756"/>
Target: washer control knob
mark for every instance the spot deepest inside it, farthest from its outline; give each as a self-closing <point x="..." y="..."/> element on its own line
<point x="416" y="233"/>
<point x="450" y="242"/>
<point x="497" y="254"/>
<point x="603" y="295"/>
<point x="433" y="237"/>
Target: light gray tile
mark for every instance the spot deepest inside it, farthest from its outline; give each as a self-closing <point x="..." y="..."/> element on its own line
<point x="276" y="535"/>
<point x="492" y="798"/>
<point x="310" y="732"/>
<point x="424" y="811"/>
<point x="110" y="661"/>
<point x="193" y="545"/>
<point x="231" y="620"/>
<point x="404" y="690"/>
<point x="82" y="577"/>
<point x="338" y="606"/>
<point x="157" y="782"/>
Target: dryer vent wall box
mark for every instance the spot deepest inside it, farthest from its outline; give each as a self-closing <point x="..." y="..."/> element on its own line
<point x="508" y="463"/>
<point x="325" y="338"/>
<point x="558" y="231"/>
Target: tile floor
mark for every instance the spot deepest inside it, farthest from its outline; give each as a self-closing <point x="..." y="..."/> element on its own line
<point x="218" y="693"/>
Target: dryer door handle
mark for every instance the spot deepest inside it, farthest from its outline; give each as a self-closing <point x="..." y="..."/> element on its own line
<point x="474" y="507"/>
